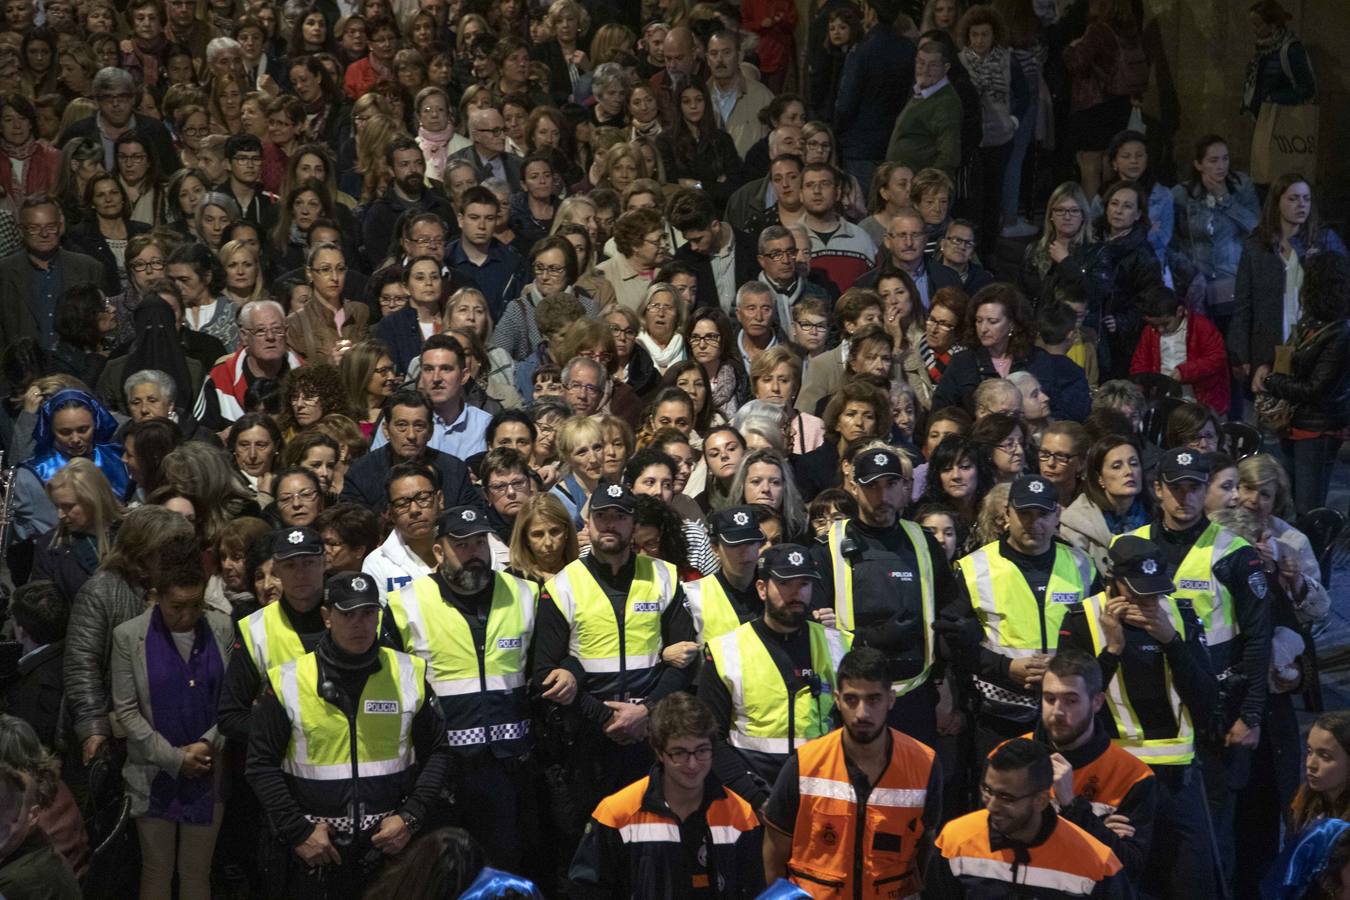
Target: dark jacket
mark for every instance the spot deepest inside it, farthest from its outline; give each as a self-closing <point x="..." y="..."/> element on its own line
<point x="403" y="335"/>
<point x="1319" y="383"/>
<point x="1068" y="390"/>
<point x="364" y="483"/>
<point x="746" y="267"/>
<point x="1258" y="297"/>
<point x="34" y="871"/>
<point x="877" y="80"/>
<point x="18" y="319"/>
<point x="377" y="224"/>
<point x="152" y="132"/>
<point x="511" y="165"/>
<point x="940" y="276"/>
<point x="87" y="239"/>
<point x="34" y="694"/>
<point x="69" y="564"/>
<point x="714" y="163"/>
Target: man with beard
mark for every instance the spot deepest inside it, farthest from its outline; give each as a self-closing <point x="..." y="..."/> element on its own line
<point x="1160" y="690"/>
<point x="867" y="774"/>
<point x="1017" y="845"/>
<point x="1012" y="598"/>
<point x="770" y="683"/>
<point x="1099" y="786"/>
<point x="605" y="618"/>
<point x="717" y="852"/>
<point x="884" y="588"/>
<point x="408" y="192"/>
<point x="474" y="627"/>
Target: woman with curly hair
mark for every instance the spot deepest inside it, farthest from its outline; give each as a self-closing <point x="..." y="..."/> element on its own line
<point x="308" y="394"/>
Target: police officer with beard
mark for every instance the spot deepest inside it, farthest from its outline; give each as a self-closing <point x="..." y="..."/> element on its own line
<point x="474" y="627"/>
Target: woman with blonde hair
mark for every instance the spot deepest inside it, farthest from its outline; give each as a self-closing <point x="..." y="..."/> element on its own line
<point x="1068" y="226"/>
<point x="776" y="377"/>
<point x="371" y="140"/>
<point x="243" y="275"/>
<point x="544" y="540"/>
<point x="1286" y="553"/>
<point x="991" y="523"/>
<point x="581" y="450"/>
<point x="87" y="515"/>
<point x="619" y="166"/>
<point x="764" y="478"/>
<point x="467" y="309"/>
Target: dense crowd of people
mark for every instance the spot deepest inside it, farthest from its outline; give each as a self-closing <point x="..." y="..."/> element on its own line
<point x="602" y="448"/>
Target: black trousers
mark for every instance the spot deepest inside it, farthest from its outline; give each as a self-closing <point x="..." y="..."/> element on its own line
<point x="1181" y="863"/>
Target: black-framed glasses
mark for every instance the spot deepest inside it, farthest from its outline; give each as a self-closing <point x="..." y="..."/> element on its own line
<point x="514" y="486"/>
<point x="45" y="230"/>
<point x="815" y="327"/>
<point x="702" y="340"/>
<point x="989" y="793"/>
<point x="554" y="271"/>
<point x="680" y="756"/>
<point x="780" y="255"/>
<point x="1059" y="459"/>
<point x="964" y="243"/>
<point x="423" y="499"/>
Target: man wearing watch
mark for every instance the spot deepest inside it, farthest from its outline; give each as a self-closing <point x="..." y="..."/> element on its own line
<point x="347" y="752"/>
<point x="1160" y="690"/>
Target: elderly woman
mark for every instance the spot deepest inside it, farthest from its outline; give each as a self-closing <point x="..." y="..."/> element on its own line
<point x="1286" y="552"/>
<point x="194" y="269"/>
<point x="115" y="594"/>
<point x="859" y="410"/>
<point x="633" y="364"/>
<point x="329" y="323"/>
<point x="581" y="449"/>
<point x="663" y="314"/>
<point x="775" y="377"/>
<point x="168" y="665"/>
<point x="1113" y="501"/>
<point x="610" y="85"/>
<point x="554" y="269"/>
<point x="569" y="77"/>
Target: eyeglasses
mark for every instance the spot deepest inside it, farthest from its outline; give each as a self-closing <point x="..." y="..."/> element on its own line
<point x="619" y="331"/>
<point x="326" y="271"/>
<point x="423" y="500"/>
<point x="306" y="495"/>
<point x="965" y="243"/>
<point x="656" y="242"/>
<point x="395" y="301"/>
<point x="277" y="332"/>
<point x="1066" y="212"/>
<point x="701" y="340"/>
<point x="44" y="230"/>
<point x="305" y="400"/>
<point x="515" y="486"/>
<point x="143" y="265"/>
<point x="427" y="241"/>
<point x="1059" y="459"/>
<point x="779" y="255"/>
<point x="552" y="271"/>
<point x="199" y="131"/>
<point x="679" y="756"/>
<point x="940" y="325"/>
<point x="583" y="388"/>
<point x="1010" y="446"/>
<point x="816" y="327"/>
<point x="660" y="307"/>
<point x="989" y="793"/>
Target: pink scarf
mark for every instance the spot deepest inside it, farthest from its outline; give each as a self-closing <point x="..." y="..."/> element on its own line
<point x="436" y="147"/>
<point x="19" y="151"/>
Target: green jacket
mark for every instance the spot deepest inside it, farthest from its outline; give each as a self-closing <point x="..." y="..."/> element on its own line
<point x="34" y="871"/>
<point x="928" y="132"/>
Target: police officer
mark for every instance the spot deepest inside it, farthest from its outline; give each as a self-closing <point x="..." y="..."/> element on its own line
<point x="1099" y="786"/>
<point x="1222" y="577"/>
<point x="865" y="775"/>
<point x="884" y="587"/>
<point x="770" y="683"/>
<point x="279" y="632"/>
<point x="346" y="753"/>
<point x="723" y="602"/>
<point x="1017" y="846"/>
<point x="1015" y="591"/>
<point x="605" y="618"/>
<point x="1158" y="686"/>
<point x="474" y="628"/>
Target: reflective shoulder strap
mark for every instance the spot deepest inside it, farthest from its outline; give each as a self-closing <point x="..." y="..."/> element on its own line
<point x="560" y="588"/>
<point x="841" y="575"/>
<point x="693" y="601"/>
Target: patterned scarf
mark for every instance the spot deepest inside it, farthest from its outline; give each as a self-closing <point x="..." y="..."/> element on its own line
<point x="19" y="151"/>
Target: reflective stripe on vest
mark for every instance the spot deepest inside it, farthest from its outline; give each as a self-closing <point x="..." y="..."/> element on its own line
<point x="487" y="706"/>
<point x="842" y="575"/>
<point x="712" y="610"/>
<point x="825" y="838"/>
<point x="758" y="695"/>
<point x="1195" y="580"/>
<point x="269" y="638"/>
<point x="321" y="748"/>
<point x="594" y="639"/>
<point x="1174" y="751"/>
<point x="1005" y="606"/>
<point x="1070" y="860"/>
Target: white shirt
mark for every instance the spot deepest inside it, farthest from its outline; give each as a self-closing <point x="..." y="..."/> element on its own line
<point x="1172" y="355"/>
<point x="393" y="564"/>
<point x="1293" y="286"/>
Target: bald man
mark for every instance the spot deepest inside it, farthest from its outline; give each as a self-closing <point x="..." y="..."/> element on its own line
<point x="684" y="64"/>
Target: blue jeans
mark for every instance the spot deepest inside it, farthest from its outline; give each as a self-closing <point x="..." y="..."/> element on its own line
<point x="1012" y="177"/>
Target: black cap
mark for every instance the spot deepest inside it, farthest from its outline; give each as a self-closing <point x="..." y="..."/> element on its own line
<point x="613" y="495"/>
<point x="298" y="541"/>
<point x="786" y="561"/>
<point x="1139" y="563"/>
<point x="1033" y="492"/>
<point x="350" y="591"/>
<point x="1183" y="464"/>
<point x="737" y="525"/>
<point x="462" y="522"/>
<point x="870" y="465"/>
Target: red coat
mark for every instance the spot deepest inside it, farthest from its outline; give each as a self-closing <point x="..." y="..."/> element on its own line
<point x="1206" y="365"/>
<point x="38" y="178"/>
<point x="775" y="41"/>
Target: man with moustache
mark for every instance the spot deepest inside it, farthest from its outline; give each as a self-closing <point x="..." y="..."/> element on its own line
<point x="474" y="627"/>
<point x="407" y="194"/>
<point x="1012" y="596"/>
<point x="866" y="775"/>
<point x="1160" y="688"/>
<point x="770" y="683"/>
<point x="884" y="588"/>
<point x="605" y="618"/>
<point x="1099" y="786"/>
<point x="1017" y="846"/>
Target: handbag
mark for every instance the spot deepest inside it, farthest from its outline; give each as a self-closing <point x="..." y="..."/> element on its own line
<point x="1285" y="139"/>
<point x="1273" y="413"/>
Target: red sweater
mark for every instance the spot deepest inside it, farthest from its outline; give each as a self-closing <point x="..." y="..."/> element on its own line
<point x="1206" y="365"/>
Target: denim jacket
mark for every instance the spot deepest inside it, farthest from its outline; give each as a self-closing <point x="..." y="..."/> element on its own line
<point x="1211" y="234"/>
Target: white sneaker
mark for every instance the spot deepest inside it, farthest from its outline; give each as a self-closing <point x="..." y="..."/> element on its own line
<point x="1020" y="229"/>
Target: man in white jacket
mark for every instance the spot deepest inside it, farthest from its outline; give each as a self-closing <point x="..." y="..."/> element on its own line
<point x="414" y="505"/>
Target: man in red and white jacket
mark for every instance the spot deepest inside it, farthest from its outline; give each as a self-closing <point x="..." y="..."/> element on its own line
<point x="262" y="353"/>
<point x="1183" y="345"/>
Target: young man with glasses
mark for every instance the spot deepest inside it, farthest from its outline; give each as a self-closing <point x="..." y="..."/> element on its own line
<point x="1018" y="839"/>
<point x="710" y="839"/>
<point x="262" y="353"/>
<point x="115" y="92"/>
<point x="955" y="268"/>
<point x="244" y="160"/>
<point x="35" y="281"/>
<point x="414" y="504"/>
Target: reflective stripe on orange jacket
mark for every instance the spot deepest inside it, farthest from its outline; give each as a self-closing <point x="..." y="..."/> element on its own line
<point x="1069" y="863"/>
<point x="825" y="840"/>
